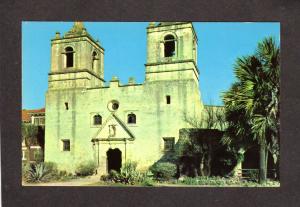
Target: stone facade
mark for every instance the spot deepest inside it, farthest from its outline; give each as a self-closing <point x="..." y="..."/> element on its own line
<point x="86" y="117"/>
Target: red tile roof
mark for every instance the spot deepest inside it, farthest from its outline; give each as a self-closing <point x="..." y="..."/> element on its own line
<point x="26" y="114"/>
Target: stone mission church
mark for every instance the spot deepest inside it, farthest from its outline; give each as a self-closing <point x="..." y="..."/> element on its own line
<point x="110" y="123"/>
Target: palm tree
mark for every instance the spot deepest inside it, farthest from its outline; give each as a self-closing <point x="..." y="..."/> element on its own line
<point x="256" y="97"/>
<point x="29" y="133"/>
<point x="238" y="134"/>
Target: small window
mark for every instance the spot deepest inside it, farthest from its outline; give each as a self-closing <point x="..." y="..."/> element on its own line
<point x="169" y="44"/>
<point x="169" y="143"/>
<point x="69" y="57"/>
<point x="36" y="121"/>
<point x="97" y="120"/>
<point x="168" y="99"/>
<point x="66" y="145"/>
<point x="94" y="60"/>
<point x="67" y="105"/>
<point x="131" y="118"/>
<point x="42" y="121"/>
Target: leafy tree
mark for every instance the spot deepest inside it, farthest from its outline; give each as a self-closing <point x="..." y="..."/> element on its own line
<point x="199" y="146"/>
<point x="252" y="103"/>
<point x="212" y="117"/>
<point x="29" y="135"/>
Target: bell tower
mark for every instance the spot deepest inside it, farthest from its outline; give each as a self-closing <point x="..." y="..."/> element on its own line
<point x="76" y="60"/>
<point x="171" y="51"/>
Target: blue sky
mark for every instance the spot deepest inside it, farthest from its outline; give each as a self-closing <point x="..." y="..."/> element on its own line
<point x="219" y="44"/>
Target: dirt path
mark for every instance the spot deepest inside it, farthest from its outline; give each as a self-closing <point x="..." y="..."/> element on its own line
<point x="74" y="182"/>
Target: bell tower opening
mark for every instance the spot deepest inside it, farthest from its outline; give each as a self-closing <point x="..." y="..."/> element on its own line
<point x="171" y="52"/>
<point x="114" y="160"/>
<point x="169" y="46"/>
<point x="94" y="59"/>
<point x="76" y="52"/>
<point x="69" y="57"/>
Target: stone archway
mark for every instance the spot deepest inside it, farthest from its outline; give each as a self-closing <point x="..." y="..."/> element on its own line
<point x="114" y="159"/>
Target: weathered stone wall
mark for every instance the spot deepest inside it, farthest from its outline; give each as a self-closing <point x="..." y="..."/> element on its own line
<point x="155" y="119"/>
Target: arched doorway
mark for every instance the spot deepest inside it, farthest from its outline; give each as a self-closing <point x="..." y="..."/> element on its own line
<point x="114" y="159"/>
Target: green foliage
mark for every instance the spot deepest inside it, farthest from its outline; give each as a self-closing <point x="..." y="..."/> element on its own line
<point x="252" y="103"/>
<point x="163" y="170"/>
<point x="253" y="174"/>
<point x="204" y="180"/>
<point x="54" y="173"/>
<point x="86" y="168"/>
<point x="221" y="181"/>
<point x="147" y="181"/>
<point x="25" y="168"/>
<point x="29" y="133"/>
<point x="128" y="176"/>
<point x="51" y="166"/>
<point x="189" y="181"/>
<point x="37" y="173"/>
<point x="43" y="172"/>
<point x="38" y="156"/>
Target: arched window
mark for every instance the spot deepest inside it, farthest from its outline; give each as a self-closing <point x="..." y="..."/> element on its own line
<point x="69" y="57"/>
<point x="131" y="118"/>
<point x="169" y="45"/>
<point x="94" y="60"/>
<point x="97" y="120"/>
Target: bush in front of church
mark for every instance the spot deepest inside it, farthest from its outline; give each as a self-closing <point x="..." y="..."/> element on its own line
<point x="129" y="175"/>
<point x="38" y="172"/>
<point x="164" y="170"/>
<point x="86" y="168"/>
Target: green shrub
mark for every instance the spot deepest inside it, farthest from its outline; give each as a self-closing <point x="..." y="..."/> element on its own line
<point x="128" y="175"/>
<point x="204" y="180"/>
<point x="163" y="170"/>
<point x="221" y="181"/>
<point x="145" y="179"/>
<point x="52" y="169"/>
<point x="25" y="169"/>
<point x="253" y="174"/>
<point x="37" y="173"/>
<point x="86" y="168"/>
<point x="38" y="156"/>
<point x="115" y="177"/>
<point x="43" y="172"/>
<point x="105" y="178"/>
<point x="51" y="166"/>
<point x="147" y="182"/>
<point x="63" y="173"/>
<point x="190" y="181"/>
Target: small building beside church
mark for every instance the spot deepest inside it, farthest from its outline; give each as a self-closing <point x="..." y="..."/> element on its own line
<point x="37" y="118"/>
<point x="88" y="119"/>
